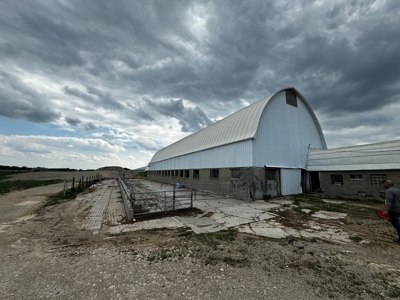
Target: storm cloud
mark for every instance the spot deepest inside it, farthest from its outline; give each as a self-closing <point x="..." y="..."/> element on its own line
<point x="158" y="71"/>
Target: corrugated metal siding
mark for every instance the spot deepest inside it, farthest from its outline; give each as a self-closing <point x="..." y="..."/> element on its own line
<point x="284" y="133"/>
<point x="290" y="182"/>
<point x="378" y="156"/>
<point x="239" y="126"/>
<point x="229" y="156"/>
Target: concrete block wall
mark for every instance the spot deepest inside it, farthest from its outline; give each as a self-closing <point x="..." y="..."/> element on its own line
<point x="249" y="186"/>
<point x="354" y="189"/>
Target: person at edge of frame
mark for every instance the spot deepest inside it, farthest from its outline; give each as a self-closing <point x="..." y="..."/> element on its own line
<point x="392" y="206"/>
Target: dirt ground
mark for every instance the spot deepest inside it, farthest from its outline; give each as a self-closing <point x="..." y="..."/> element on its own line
<point x="45" y="253"/>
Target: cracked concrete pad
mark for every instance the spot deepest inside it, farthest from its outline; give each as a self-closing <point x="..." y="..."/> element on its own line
<point x="201" y="224"/>
<point x="241" y="210"/>
<point x="332" y="201"/>
<point x="214" y="205"/>
<point x="282" y="201"/>
<point x="267" y="229"/>
<point x="170" y="222"/>
<point x="328" y="215"/>
<point x="232" y="221"/>
<point x="264" y="205"/>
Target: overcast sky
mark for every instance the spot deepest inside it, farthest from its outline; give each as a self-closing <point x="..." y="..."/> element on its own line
<point x="86" y="84"/>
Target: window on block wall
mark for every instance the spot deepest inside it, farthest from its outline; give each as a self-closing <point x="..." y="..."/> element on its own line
<point x="337" y="179"/>
<point x="214" y="173"/>
<point x="377" y="179"/>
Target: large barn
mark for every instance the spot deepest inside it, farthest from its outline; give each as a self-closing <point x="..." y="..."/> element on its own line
<point x="259" y="151"/>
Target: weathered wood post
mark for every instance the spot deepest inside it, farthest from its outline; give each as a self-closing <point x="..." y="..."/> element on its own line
<point x="191" y="197"/>
<point x="73" y="184"/>
<point x="173" y="198"/>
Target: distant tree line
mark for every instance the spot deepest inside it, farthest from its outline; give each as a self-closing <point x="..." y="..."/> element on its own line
<point x="38" y="169"/>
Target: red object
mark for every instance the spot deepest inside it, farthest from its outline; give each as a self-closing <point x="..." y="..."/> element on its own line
<point x="380" y="214"/>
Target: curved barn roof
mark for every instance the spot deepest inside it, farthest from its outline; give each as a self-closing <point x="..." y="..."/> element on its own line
<point x="239" y="126"/>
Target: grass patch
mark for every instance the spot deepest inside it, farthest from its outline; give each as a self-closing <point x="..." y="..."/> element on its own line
<point x="356" y="238"/>
<point x="394" y="293"/>
<point x="214" y="238"/>
<point x="4" y="174"/>
<point x="316" y="205"/>
<point x="60" y="197"/>
<point x="9" y="186"/>
<point x="235" y="262"/>
<point x="296" y="201"/>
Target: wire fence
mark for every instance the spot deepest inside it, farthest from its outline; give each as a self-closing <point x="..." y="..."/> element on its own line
<point x="137" y="204"/>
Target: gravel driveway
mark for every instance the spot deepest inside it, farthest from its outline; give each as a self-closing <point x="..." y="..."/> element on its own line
<point x="52" y="253"/>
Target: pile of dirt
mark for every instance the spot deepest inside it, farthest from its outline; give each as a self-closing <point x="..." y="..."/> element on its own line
<point x="113" y="168"/>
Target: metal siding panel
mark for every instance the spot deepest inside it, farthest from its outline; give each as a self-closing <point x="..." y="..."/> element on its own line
<point x="290" y="182"/>
<point x="377" y="156"/>
<point x="284" y="133"/>
<point x="229" y="156"/>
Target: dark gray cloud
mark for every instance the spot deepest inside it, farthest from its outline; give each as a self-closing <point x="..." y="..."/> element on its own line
<point x="89" y="126"/>
<point x="72" y="121"/>
<point x="20" y="100"/>
<point x="191" y="119"/>
<point x="126" y="59"/>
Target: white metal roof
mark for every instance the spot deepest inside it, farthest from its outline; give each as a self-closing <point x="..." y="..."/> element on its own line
<point x="237" y="127"/>
<point x="377" y="156"/>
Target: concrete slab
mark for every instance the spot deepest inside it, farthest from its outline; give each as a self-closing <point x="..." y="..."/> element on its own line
<point x="170" y="222"/>
<point x="282" y="201"/>
<point x="328" y="215"/>
<point x="332" y="201"/>
<point x="202" y="224"/>
<point x="104" y="206"/>
<point x="270" y="229"/>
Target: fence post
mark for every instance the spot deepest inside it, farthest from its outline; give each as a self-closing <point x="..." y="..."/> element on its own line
<point x="191" y="198"/>
<point x="132" y="205"/>
<point x="73" y="184"/>
<point x="165" y="202"/>
<point x="65" y="186"/>
<point x="173" y="198"/>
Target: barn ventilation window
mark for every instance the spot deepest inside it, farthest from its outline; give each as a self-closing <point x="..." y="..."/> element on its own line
<point x="377" y="179"/>
<point x="186" y="173"/>
<point x="214" y="173"/>
<point x="196" y="173"/>
<point x="355" y="177"/>
<point x="337" y="179"/>
<point x="291" y="98"/>
<point x="235" y="173"/>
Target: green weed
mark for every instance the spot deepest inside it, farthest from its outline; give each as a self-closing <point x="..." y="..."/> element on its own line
<point x="60" y="197"/>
